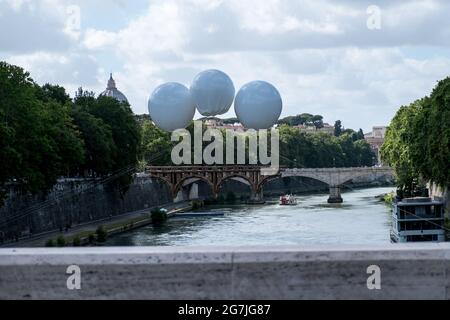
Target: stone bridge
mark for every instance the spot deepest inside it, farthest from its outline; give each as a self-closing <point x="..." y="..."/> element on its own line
<point x="178" y="177"/>
<point x="336" y="177"/>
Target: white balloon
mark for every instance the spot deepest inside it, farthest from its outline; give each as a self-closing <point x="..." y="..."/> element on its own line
<point x="171" y="106"/>
<point x="258" y="105"/>
<point x="213" y="92"/>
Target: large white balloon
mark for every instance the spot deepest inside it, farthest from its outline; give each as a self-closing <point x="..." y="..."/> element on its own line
<point x="258" y="105"/>
<point x="213" y="92"/>
<point x="171" y="106"/>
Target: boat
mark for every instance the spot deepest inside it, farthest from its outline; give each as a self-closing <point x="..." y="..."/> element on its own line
<point x="418" y="219"/>
<point x="288" y="200"/>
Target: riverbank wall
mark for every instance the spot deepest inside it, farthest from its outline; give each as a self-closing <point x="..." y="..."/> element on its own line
<point x="73" y="202"/>
<point x="441" y="193"/>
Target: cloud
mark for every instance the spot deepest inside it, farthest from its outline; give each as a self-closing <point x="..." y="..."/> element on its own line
<point x="319" y="54"/>
<point x="27" y="26"/>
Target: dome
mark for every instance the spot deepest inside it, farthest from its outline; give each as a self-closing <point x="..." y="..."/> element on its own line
<point x="111" y="91"/>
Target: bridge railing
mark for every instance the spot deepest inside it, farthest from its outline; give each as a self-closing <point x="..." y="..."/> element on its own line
<point x="415" y="271"/>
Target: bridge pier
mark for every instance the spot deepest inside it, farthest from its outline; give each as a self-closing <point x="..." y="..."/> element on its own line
<point x="186" y="193"/>
<point x="335" y="195"/>
<point x="256" y="197"/>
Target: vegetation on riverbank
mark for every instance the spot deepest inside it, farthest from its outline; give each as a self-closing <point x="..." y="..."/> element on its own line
<point x="99" y="235"/>
<point x="45" y="134"/>
<point x="417" y="143"/>
<point x="388" y="198"/>
<point x="159" y="216"/>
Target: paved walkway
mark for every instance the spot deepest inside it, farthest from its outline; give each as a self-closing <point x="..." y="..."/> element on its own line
<point x="41" y="239"/>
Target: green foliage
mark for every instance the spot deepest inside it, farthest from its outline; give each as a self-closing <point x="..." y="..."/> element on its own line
<point x="112" y="129"/>
<point x="91" y="238"/>
<point x="155" y="147"/>
<point x="230" y="120"/>
<point x="38" y="140"/>
<point x="100" y="147"/>
<point x="417" y="143"/>
<point x="396" y="148"/>
<point x="45" y="135"/>
<point x="197" y="205"/>
<point x="76" y="242"/>
<point x="61" y="241"/>
<point x="304" y="118"/>
<point x="388" y="198"/>
<point x="50" y="243"/>
<point x="337" y="128"/>
<point x="101" y="234"/>
<point x="321" y="150"/>
<point x="158" y="216"/>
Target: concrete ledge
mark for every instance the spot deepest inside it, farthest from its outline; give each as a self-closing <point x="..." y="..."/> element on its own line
<point x="408" y="271"/>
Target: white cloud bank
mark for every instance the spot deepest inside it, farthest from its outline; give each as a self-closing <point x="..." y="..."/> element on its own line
<point x="319" y="54"/>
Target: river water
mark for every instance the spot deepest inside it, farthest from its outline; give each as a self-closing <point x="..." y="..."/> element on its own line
<point x="361" y="219"/>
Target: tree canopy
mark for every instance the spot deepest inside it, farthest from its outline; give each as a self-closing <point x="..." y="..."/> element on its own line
<point x="45" y="135"/>
<point x="417" y="143"/>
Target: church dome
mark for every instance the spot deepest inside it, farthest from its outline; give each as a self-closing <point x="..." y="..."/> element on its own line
<point x="111" y="91"/>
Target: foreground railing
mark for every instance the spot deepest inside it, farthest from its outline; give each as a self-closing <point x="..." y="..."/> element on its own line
<point x="419" y="271"/>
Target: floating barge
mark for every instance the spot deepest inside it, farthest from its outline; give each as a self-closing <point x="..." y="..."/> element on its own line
<point x="418" y="219"/>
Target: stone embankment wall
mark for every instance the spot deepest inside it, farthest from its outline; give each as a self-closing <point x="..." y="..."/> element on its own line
<point x="73" y="202"/>
<point x="441" y="193"/>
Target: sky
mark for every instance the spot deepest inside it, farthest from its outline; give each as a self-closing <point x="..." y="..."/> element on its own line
<point x="356" y="61"/>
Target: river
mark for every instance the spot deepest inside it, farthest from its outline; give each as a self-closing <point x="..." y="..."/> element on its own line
<point x="361" y="219"/>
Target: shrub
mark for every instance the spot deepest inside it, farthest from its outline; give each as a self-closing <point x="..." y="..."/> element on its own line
<point x="91" y="238"/>
<point x="197" y="205"/>
<point x="76" y="241"/>
<point x="50" y="243"/>
<point x="61" y="241"/>
<point x="158" y="216"/>
<point x="101" y="234"/>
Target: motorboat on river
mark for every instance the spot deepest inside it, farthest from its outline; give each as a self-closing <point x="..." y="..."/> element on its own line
<point x="288" y="200"/>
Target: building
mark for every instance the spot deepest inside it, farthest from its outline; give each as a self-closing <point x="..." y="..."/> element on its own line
<point x="418" y="219"/>
<point x="376" y="139"/>
<point x="113" y="92"/>
<point x="217" y="123"/>
<point x="327" y="128"/>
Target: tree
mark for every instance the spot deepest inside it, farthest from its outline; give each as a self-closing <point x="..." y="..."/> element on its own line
<point x="364" y="154"/>
<point x="417" y="143"/>
<point x="396" y="150"/>
<point x="301" y="119"/>
<point x="100" y="147"/>
<point x="317" y="121"/>
<point x="38" y="139"/>
<point x="360" y="135"/>
<point x="54" y="92"/>
<point x="435" y="139"/>
<point x="119" y="119"/>
<point x="337" y="128"/>
<point x="301" y="149"/>
<point x="156" y="146"/>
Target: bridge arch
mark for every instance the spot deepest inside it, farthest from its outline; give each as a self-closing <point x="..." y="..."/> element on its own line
<point x="176" y="188"/>
<point x="241" y="178"/>
<point x="308" y="175"/>
<point x="282" y="177"/>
